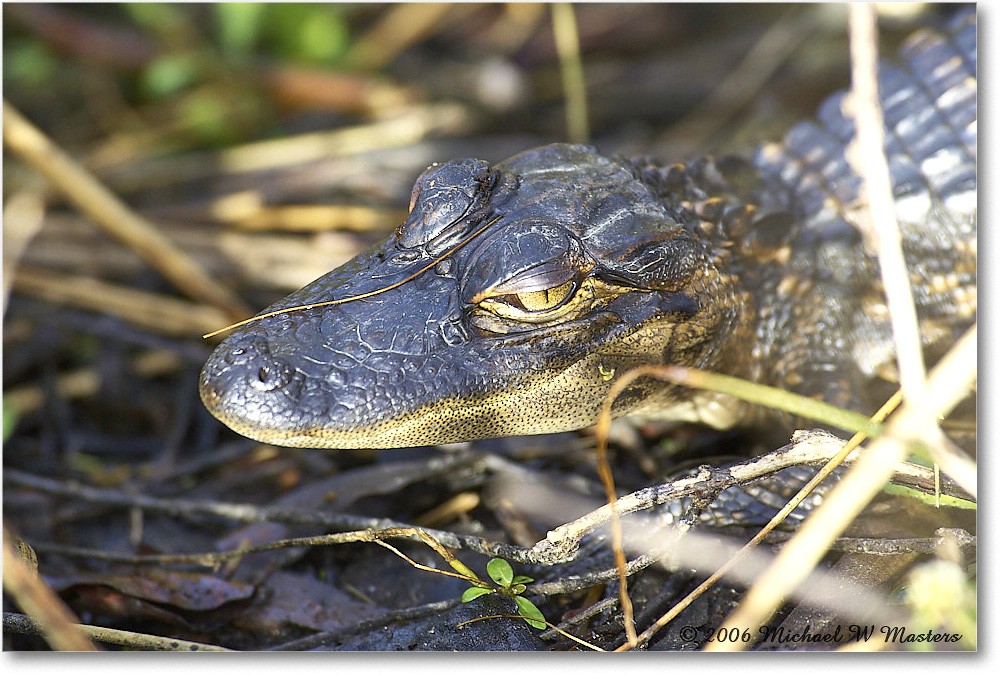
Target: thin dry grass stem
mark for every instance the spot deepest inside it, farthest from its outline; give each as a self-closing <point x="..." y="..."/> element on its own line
<point x="159" y="313"/>
<point x="735" y="91"/>
<point x="360" y="296"/>
<point x="585" y="614"/>
<point x="870" y="162"/>
<point x="371" y="535"/>
<point x="949" y="382"/>
<point x="111" y="214"/>
<point x="778" y="518"/>
<point x="87" y="381"/>
<point x="307" y="217"/>
<point x="406" y="128"/>
<point x="23" y="215"/>
<point x="955" y="374"/>
<point x="397" y="28"/>
<point x="422" y="567"/>
<point x="140" y="641"/>
<point x="39" y="601"/>
<point x="451" y="508"/>
<point x="683" y="376"/>
<point x="601" y="430"/>
<point x="567" y="39"/>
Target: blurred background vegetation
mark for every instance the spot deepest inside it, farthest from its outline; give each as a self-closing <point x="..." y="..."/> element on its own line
<point x="272" y="142"/>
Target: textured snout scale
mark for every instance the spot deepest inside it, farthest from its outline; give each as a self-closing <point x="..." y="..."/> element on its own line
<point x="569" y="268"/>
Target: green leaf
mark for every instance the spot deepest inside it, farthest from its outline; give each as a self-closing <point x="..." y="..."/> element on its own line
<point x="517" y="589"/>
<point x="161" y="18"/>
<point x="500" y="572"/>
<point x="531" y="614"/>
<point x="324" y="38"/>
<point x="28" y="63"/>
<point x="207" y="115"/>
<point x="168" y="74"/>
<point x="521" y="579"/>
<point x="239" y="25"/>
<point x="304" y="32"/>
<point x="462" y="568"/>
<point x="474" y="592"/>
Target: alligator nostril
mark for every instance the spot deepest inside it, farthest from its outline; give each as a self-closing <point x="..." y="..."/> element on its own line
<point x="269" y="377"/>
<point x="236" y="356"/>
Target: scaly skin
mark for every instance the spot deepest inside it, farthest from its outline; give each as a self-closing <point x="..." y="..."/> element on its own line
<point x="569" y="268"/>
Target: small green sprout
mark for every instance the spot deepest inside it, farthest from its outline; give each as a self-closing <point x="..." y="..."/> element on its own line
<point x="507" y="584"/>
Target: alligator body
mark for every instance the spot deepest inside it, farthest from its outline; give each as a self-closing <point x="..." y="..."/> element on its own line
<point x="515" y="294"/>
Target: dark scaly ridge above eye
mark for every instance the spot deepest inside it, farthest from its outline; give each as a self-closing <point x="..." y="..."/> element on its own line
<point x="443" y="201"/>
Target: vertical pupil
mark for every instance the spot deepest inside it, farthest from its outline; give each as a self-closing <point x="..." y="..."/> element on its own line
<point x="547" y="298"/>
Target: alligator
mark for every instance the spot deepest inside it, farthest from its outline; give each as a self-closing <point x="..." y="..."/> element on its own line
<point x="515" y="294"/>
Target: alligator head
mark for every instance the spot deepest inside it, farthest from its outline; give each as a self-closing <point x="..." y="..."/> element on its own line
<point x="506" y="304"/>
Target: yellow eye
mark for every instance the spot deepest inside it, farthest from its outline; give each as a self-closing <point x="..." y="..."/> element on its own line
<point x="539" y="306"/>
<point x="540" y="301"/>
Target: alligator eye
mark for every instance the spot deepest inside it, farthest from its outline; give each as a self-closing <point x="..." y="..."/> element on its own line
<point x="540" y="301"/>
<point x="536" y="306"/>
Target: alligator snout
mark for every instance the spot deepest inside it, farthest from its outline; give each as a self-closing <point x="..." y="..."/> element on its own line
<point x="243" y="384"/>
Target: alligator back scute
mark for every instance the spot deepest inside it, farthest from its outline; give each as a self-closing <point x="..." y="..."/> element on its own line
<point x="930" y="112"/>
<point x="929" y="105"/>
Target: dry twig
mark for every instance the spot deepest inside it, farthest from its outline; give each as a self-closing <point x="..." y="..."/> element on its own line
<point x="153" y="311"/>
<point x="91" y="197"/>
<point x="948" y="383"/>
<point x="882" y="228"/>
<point x="33" y="595"/>
<point x="142" y="641"/>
